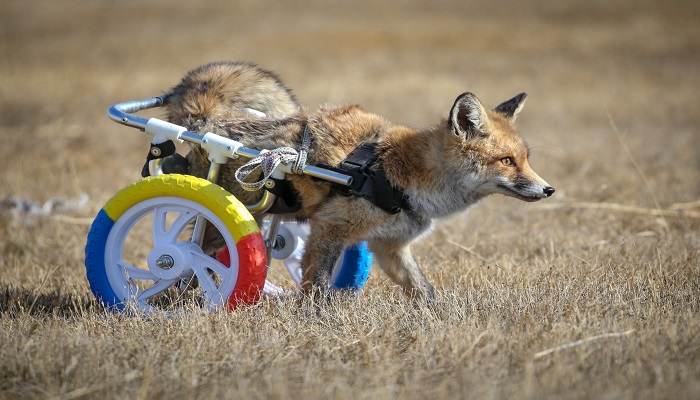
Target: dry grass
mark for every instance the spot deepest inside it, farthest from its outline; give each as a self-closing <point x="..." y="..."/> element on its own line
<point x="592" y="294"/>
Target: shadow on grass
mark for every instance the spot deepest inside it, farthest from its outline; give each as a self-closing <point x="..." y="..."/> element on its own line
<point x="16" y="302"/>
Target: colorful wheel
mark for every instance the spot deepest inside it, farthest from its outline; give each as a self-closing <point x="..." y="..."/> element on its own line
<point x="139" y="250"/>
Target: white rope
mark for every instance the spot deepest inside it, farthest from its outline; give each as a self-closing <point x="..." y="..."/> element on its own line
<point x="269" y="160"/>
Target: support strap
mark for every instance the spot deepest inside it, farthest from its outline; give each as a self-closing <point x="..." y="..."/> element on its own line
<point x="300" y="163"/>
<point x="369" y="181"/>
<point x="269" y="160"/>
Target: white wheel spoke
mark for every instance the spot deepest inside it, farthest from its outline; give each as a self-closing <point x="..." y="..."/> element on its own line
<point x="137" y="273"/>
<point x="163" y="236"/>
<point x="203" y="261"/>
<point x="154" y="289"/>
<point x="203" y="264"/>
<point x="159" y="214"/>
<point x="206" y="282"/>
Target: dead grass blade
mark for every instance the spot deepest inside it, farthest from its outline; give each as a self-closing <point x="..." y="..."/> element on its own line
<point x="613" y="125"/>
<point x="468" y="250"/>
<point x="41" y="286"/>
<point x="84" y="391"/>
<point x="677" y="210"/>
<point x="580" y="342"/>
<point x="686" y="206"/>
<point x="73" y="220"/>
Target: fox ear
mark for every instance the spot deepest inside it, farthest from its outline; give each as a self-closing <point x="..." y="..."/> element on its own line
<point x="512" y="107"/>
<point x="467" y="116"/>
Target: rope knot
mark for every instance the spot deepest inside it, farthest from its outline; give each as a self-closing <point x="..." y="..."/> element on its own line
<point x="269" y="160"/>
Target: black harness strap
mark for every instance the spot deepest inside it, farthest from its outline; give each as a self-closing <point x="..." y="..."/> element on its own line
<point x="370" y="183"/>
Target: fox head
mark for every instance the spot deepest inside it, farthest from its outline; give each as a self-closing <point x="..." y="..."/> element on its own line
<point x="495" y="153"/>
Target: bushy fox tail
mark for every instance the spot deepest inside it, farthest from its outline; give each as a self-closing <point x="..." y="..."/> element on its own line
<point x="224" y="90"/>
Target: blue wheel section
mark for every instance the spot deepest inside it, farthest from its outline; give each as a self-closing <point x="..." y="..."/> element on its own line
<point x="354" y="270"/>
<point x="95" y="261"/>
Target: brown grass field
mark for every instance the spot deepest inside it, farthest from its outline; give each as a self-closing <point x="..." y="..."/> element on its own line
<point x="593" y="293"/>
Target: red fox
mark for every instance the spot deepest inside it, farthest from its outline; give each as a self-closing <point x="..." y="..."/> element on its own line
<point x="439" y="170"/>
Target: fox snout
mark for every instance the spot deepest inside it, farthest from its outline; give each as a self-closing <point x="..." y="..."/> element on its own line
<point x="540" y="190"/>
<point x="525" y="188"/>
<point x="528" y="184"/>
<point x="530" y="195"/>
<point x="547" y="191"/>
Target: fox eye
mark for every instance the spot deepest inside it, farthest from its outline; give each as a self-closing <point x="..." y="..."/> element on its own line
<point x="508" y="161"/>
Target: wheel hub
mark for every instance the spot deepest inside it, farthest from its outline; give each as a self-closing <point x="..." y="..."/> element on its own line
<point x="172" y="261"/>
<point x="165" y="262"/>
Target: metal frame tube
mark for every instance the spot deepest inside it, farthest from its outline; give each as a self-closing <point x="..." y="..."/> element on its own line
<point x="200" y="224"/>
<point x="271" y="235"/>
<point x="122" y="113"/>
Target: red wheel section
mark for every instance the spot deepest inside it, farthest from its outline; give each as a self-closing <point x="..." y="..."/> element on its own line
<point x="224" y="256"/>
<point x="252" y="270"/>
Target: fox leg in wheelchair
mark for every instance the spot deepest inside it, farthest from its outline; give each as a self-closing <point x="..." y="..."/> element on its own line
<point x="323" y="248"/>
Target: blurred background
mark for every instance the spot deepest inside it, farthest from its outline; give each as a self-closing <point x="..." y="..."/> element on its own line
<point x="612" y="120"/>
<point x="583" y="64"/>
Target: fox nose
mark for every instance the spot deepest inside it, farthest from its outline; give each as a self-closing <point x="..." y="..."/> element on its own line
<point x="549" y="191"/>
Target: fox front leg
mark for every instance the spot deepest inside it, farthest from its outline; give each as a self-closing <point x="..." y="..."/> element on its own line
<point x="321" y="252"/>
<point x="399" y="264"/>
